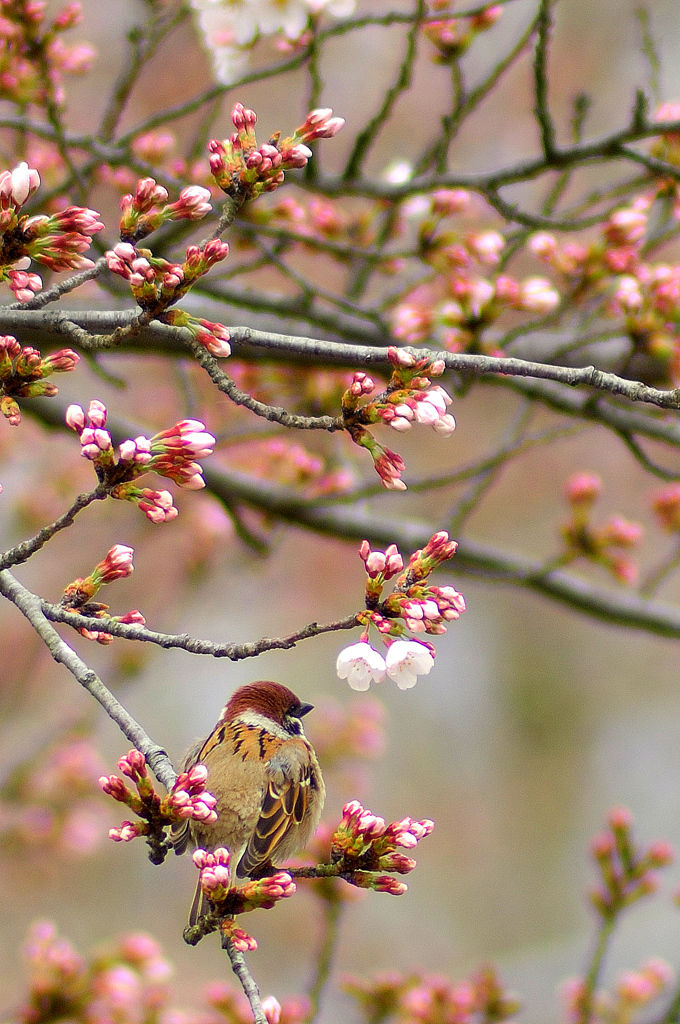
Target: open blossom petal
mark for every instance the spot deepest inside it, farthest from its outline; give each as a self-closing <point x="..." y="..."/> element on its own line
<point x="405" y="661"/>
<point x="359" y="664"/>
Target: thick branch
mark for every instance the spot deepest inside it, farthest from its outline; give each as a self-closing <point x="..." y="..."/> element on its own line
<point x="246" y="340"/>
<point x="472" y="558"/>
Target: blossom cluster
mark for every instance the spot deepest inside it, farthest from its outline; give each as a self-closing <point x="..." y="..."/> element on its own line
<point x="147" y="208"/>
<point x="626" y="873"/>
<point x="50" y="805"/>
<point x="613" y="275"/>
<point x="410" y="398"/>
<point x="129" y="983"/>
<point x="244" y="170"/>
<point x="35" y="56"/>
<point x="227" y="900"/>
<point x="213" y="336"/>
<point x="23" y="371"/>
<point x="170" y="453"/>
<point x="433" y="999"/>
<point x="231" y="30"/>
<point x="602" y="545"/>
<point x="57" y="241"/>
<point x="363" y="846"/>
<point x="462" y="295"/>
<point x="156" y="283"/>
<point x="188" y="798"/>
<point x="292" y="465"/>
<point x="631" y="992"/>
<point x="78" y="595"/>
<point x="452" y="37"/>
<point x="423" y="608"/>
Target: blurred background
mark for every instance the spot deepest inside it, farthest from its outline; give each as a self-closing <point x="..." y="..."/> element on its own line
<point x="534" y="720"/>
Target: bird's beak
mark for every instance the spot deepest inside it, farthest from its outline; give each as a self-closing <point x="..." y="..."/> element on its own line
<point x="305" y="709"/>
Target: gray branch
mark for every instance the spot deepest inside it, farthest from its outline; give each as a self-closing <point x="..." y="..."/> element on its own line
<point x="248" y="342"/>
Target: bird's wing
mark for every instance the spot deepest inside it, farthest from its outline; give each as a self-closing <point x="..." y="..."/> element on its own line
<point x="284" y="806"/>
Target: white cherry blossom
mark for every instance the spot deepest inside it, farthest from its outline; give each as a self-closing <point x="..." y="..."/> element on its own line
<point x="360" y="664"/>
<point x="406" y="660"/>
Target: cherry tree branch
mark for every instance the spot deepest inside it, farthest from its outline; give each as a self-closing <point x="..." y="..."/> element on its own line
<point x="248" y="984"/>
<point x="193" y="645"/>
<point x="30" y="607"/>
<point x="245" y="340"/>
<point x="472" y="559"/>
<point x="22" y="552"/>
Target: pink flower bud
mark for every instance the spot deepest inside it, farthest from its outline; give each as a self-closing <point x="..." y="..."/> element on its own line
<point x="620" y="819"/>
<point x="75" y="418"/>
<point x="25" y="181"/>
<point x="385" y="883"/>
<point x="271" y="1009"/>
<point x="583" y="488"/>
<point x="661" y="854"/>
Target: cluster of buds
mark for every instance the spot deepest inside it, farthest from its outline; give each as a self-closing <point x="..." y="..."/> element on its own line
<point x="452" y="37"/>
<point x="612" y="275"/>
<point x="156" y="283"/>
<point x="631" y="992"/>
<point x="454" y="305"/>
<point x="170" y="453"/>
<point x="147" y="208"/>
<point x="227" y="900"/>
<point x="23" y="371"/>
<point x="188" y="798"/>
<point x="213" y="336"/>
<point x="433" y="1000"/>
<point x="57" y="241"/>
<point x="617" y="251"/>
<point x="52" y="808"/>
<point x="244" y="171"/>
<point x="626" y="873"/>
<point x="292" y="465"/>
<point x="410" y="397"/>
<point x="422" y="608"/>
<point x="602" y="545"/>
<point x="363" y="847"/>
<point x="128" y="983"/>
<point x="78" y="595"/>
<point x="34" y="56"/>
<point x="319" y="220"/>
<point x="454" y="309"/>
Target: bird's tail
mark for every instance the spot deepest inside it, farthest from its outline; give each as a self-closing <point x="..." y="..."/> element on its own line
<point x="199" y="906"/>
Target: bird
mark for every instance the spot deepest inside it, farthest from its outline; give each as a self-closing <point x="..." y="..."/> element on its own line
<point x="265" y="776"/>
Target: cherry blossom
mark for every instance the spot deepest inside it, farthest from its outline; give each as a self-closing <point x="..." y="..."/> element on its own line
<point x="406" y="660"/>
<point x="360" y="664"/>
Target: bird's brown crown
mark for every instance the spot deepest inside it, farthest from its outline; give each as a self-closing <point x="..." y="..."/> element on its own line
<point x="266" y="698"/>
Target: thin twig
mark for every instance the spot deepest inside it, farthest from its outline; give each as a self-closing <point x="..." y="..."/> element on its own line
<point x="193" y="645"/>
<point x="22" y="552"/>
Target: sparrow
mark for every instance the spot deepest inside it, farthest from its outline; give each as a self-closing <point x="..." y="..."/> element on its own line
<point x="265" y="776"/>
